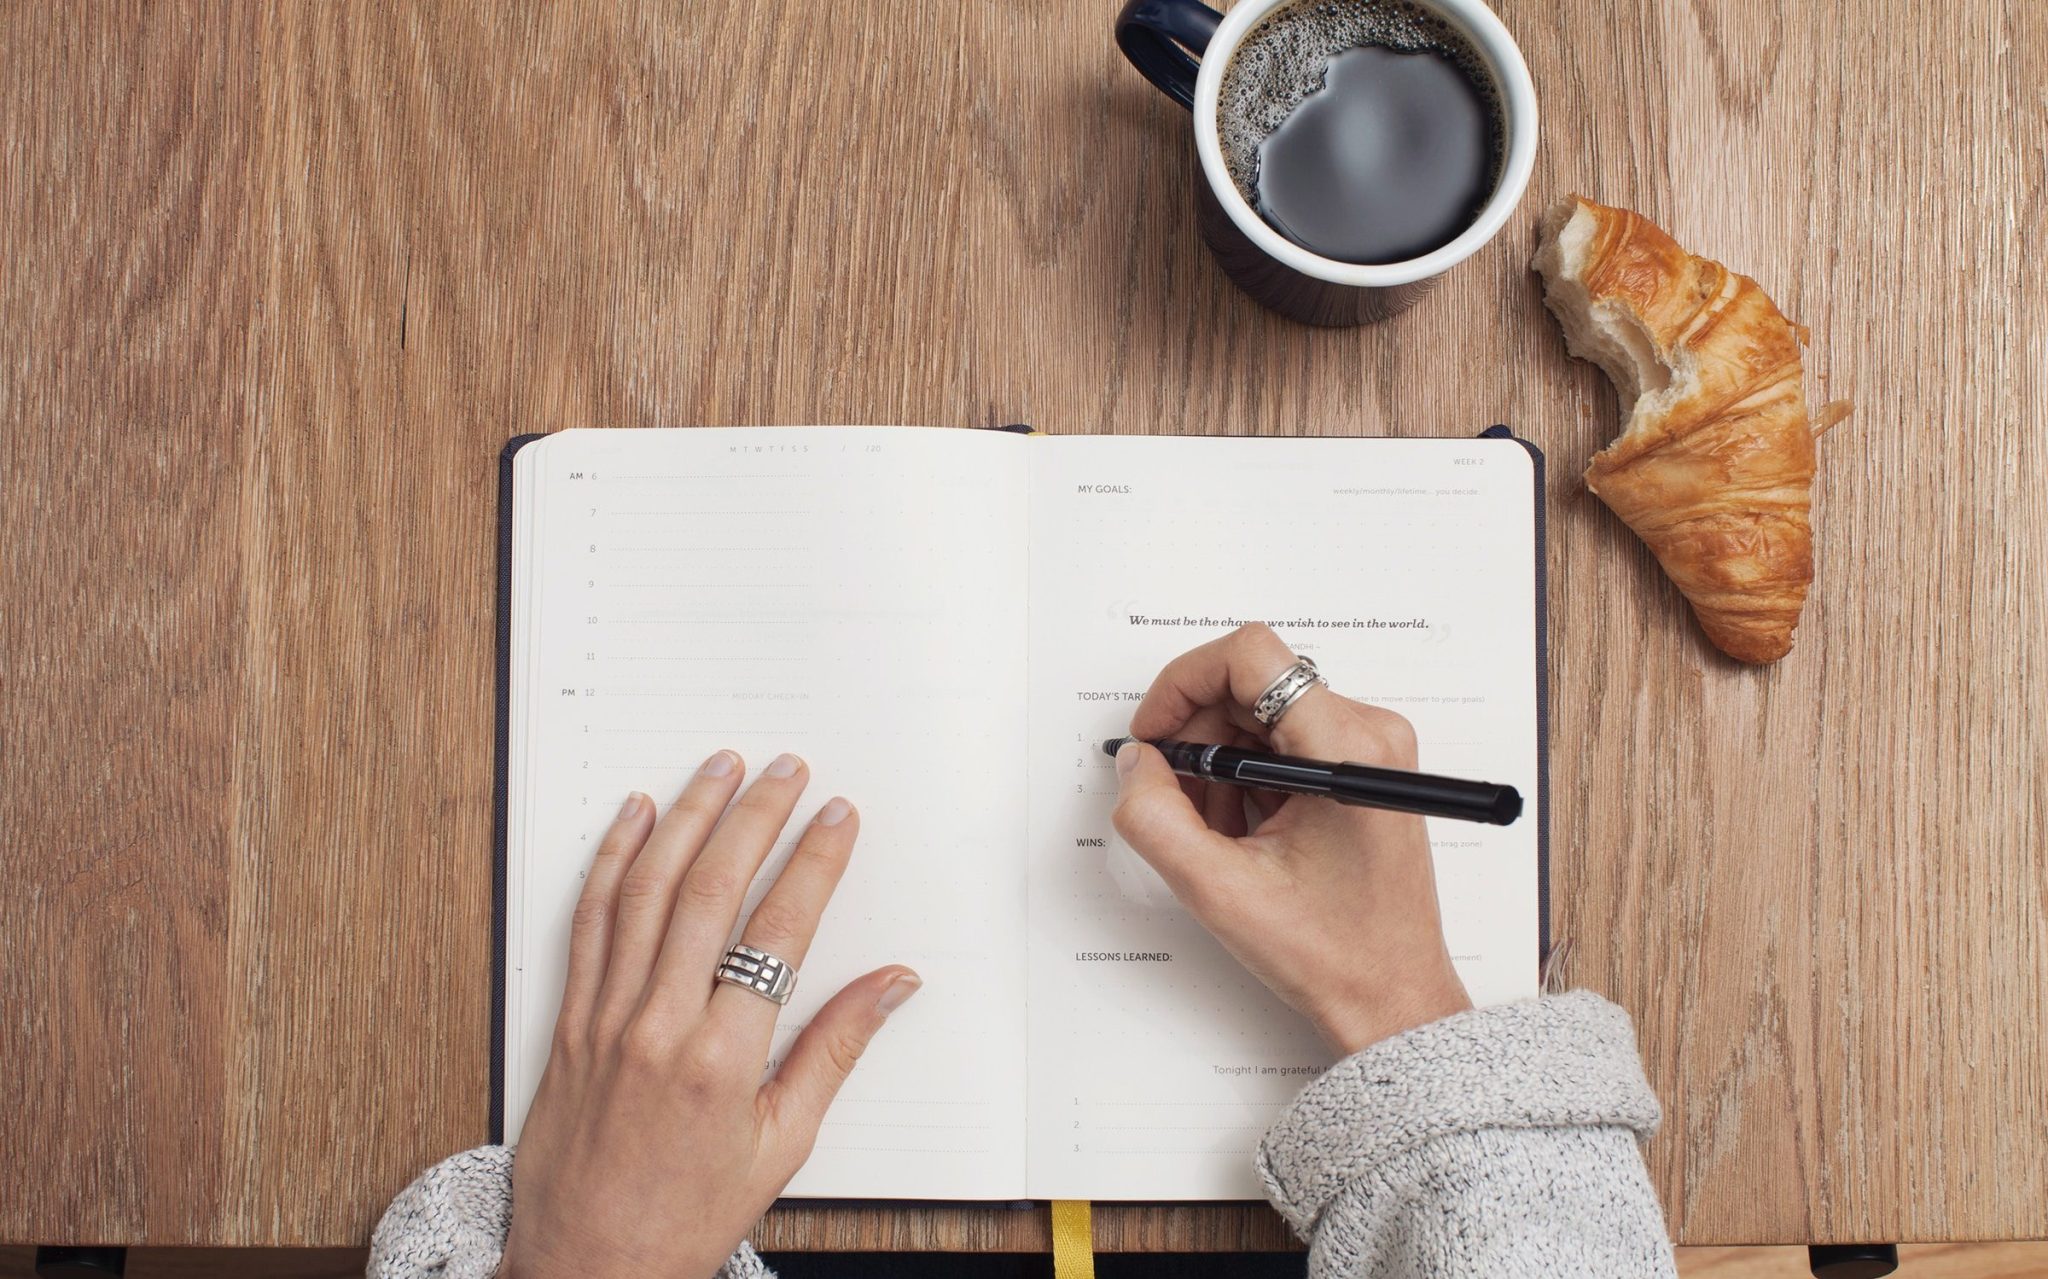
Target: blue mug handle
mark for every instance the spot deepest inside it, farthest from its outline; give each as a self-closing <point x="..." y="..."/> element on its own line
<point x="1159" y="35"/>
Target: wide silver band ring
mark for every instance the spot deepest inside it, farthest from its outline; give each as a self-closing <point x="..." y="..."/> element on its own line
<point x="1283" y="692"/>
<point x="758" y="971"/>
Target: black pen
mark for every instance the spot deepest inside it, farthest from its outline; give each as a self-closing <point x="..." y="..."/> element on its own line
<point x="1360" y="785"/>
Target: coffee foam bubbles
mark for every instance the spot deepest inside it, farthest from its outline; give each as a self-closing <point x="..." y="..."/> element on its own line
<point x="1282" y="61"/>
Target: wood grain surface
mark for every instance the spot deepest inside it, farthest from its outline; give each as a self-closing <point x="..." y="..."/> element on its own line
<point x="280" y="280"/>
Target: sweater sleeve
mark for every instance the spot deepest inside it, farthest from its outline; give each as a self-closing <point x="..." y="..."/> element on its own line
<point x="450" y="1223"/>
<point x="1500" y="1142"/>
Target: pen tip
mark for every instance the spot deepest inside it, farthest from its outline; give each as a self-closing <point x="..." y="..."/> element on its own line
<point x="1113" y="745"/>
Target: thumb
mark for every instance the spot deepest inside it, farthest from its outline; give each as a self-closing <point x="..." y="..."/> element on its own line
<point x="826" y="1053"/>
<point x="1157" y="819"/>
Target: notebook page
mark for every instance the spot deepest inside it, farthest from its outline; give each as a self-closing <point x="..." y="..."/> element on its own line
<point x="852" y="595"/>
<point x="1406" y="569"/>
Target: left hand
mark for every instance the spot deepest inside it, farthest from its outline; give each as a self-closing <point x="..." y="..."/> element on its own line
<point x="652" y="1145"/>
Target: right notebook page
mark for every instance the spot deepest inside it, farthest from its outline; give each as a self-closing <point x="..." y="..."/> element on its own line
<point x="1407" y="569"/>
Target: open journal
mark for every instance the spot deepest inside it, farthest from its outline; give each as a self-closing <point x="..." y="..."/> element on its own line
<point x="944" y="623"/>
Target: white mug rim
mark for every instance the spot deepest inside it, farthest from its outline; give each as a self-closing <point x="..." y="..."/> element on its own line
<point x="1503" y="57"/>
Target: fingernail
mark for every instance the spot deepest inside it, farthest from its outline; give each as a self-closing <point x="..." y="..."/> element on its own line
<point x="834" y="813"/>
<point x="1126" y="759"/>
<point x="719" y="765"/>
<point x="899" y="990"/>
<point x="630" y="807"/>
<point x="784" y="766"/>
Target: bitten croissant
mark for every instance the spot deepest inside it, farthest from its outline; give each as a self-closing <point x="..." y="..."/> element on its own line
<point x="1714" y="466"/>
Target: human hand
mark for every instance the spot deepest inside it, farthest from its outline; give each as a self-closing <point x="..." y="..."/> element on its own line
<point x="652" y="1145"/>
<point x="1333" y="908"/>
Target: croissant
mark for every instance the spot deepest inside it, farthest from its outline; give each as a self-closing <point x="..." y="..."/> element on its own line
<point x="1714" y="466"/>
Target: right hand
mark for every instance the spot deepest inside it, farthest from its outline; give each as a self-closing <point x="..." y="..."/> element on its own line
<point x="1333" y="908"/>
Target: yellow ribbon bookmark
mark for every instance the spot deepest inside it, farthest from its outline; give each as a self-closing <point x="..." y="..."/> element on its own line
<point x="1073" y="1240"/>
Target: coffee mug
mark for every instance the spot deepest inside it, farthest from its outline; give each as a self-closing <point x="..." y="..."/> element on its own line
<point x="1162" y="38"/>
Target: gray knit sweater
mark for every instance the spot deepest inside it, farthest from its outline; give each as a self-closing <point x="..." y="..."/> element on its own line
<point x="1500" y="1142"/>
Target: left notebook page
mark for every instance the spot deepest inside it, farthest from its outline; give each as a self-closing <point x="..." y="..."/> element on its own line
<point x="856" y="596"/>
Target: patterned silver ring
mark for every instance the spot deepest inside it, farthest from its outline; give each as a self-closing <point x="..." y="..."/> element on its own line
<point x="1286" y="690"/>
<point x="758" y="971"/>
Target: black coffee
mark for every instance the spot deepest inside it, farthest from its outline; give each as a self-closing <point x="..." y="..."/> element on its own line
<point x="1363" y="130"/>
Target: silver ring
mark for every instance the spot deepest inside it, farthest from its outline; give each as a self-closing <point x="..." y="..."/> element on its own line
<point x="1283" y="692"/>
<point x="758" y="971"/>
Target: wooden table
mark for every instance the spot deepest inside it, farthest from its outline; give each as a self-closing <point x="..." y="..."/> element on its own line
<point x="277" y="286"/>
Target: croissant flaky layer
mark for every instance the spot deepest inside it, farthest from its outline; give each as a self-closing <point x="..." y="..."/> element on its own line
<point x="1714" y="465"/>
